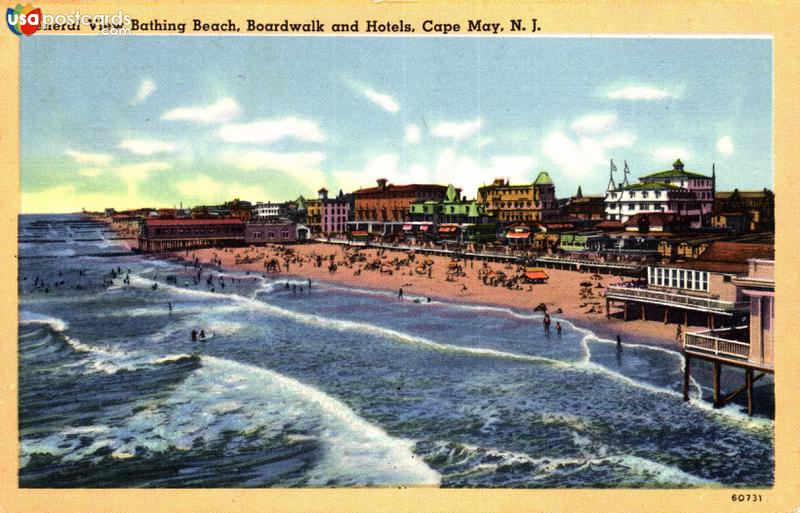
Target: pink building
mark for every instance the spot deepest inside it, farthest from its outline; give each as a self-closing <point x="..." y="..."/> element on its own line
<point x="333" y="213"/>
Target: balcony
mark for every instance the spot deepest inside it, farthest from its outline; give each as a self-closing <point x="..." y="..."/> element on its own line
<point x="672" y="299"/>
<point x="727" y="342"/>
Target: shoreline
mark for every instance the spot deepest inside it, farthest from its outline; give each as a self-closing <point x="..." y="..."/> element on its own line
<point x="562" y="291"/>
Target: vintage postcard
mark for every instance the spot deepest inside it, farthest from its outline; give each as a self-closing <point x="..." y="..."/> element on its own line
<point x="399" y="256"/>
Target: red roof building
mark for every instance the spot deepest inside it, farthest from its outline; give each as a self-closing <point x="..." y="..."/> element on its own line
<point x="157" y="235"/>
<point x="391" y="203"/>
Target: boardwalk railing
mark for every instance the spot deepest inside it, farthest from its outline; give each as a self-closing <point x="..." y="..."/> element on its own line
<point x="588" y="263"/>
<point x="708" y="341"/>
<point x="617" y="292"/>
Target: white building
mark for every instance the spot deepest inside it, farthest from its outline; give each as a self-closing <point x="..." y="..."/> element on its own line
<point x="269" y="211"/>
<point x="674" y="191"/>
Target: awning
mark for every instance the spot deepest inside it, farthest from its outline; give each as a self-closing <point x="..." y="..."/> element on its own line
<point x="516" y="235"/>
<point x="407" y="227"/>
<point x="448" y="229"/>
<point x="536" y="275"/>
<point x="360" y="233"/>
<point x="424" y="227"/>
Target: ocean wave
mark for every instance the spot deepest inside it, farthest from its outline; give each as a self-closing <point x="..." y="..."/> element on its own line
<point x="361" y="327"/>
<point x="223" y="398"/>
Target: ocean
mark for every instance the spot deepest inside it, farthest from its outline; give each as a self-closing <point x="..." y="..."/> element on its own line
<point x="338" y="386"/>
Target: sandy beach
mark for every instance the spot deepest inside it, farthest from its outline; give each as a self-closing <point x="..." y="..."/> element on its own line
<point x="563" y="293"/>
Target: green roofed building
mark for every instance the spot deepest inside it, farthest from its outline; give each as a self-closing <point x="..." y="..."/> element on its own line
<point x="448" y="218"/>
<point x="507" y="203"/>
<point x="673" y="191"/>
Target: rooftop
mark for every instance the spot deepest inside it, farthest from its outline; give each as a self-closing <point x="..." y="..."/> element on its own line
<point x="543" y="179"/>
<point x="730" y="257"/>
<point x="409" y="187"/>
<point x="677" y="171"/>
<point x="651" y="186"/>
<point x="176" y="222"/>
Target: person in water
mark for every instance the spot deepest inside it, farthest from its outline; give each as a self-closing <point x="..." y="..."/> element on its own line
<point x="202" y="334"/>
<point x="194" y="335"/>
<point x="558" y="329"/>
<point x="619" y="342"/>
<point x="400" y="293"/>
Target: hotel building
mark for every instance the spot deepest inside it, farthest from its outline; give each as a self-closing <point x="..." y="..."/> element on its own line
<point x="674" y="191"/>
<point x="333" y="213"/>
<point x="507" y="203"/>
<point x="386" y="208"/>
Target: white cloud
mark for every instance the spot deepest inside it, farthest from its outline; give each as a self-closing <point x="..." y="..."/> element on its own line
<point x="300" y="166"/>
<point x="146" y="88"/>
<point x="140" y="170"/>
<point x="67" y="199"/>
<point x="457" y="131"/>
<point x="617" y="140"/>
<point x="268" y="131"/>
<point x="640" y="93"/>
<point x="725" y="145"/>
<point x="289" y="162"/>
<point x="223" y="110"/>
<point x="204" y="190"/>
<point x="92" y="159"/>
<point x="518" y="167"/>
<point x="147" y="146"/>
<point x="63" y="199"/>
<point x="583" y="156"/>
<point x="593" y="123"/>
<point x="669" y="154"/>
<point x="384" y="101"/>
<point x="463" y="171"/>
<point x="413" y="134"/>
<point x="575" y="158"/>
<point x="90" y="172"/>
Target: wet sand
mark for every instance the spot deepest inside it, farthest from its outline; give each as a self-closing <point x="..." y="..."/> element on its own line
<point x="563" y="289"/>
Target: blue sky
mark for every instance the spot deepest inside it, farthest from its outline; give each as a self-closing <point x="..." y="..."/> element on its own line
<point x="153" y="121"/>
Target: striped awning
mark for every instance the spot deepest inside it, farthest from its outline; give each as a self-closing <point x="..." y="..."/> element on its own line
<point x="448" y="229"/>
<point x="518" y="235"/>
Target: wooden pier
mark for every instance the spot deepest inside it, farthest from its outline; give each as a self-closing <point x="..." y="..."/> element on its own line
<point x="710" y="346"/>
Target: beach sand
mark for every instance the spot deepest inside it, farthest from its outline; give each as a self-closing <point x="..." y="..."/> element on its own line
<point x="562" y="290"/>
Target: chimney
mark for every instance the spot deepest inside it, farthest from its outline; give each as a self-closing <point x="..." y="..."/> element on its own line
<point x="381" y="183"/>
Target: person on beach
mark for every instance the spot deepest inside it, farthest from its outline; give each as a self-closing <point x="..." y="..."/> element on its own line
<point x="619" y="342"/>
<point x="309" y="284"/>
<point x="400" y="293"/>
<point x="678" y="333"/>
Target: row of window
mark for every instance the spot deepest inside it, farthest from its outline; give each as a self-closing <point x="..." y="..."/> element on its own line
<point x="686" y="279"/>
<point x="199" y="230"/>
<point x="521" y="204"/>
<point x="270" y="235"/>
